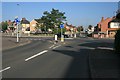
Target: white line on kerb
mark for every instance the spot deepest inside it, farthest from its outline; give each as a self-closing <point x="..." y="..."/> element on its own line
<point x="36" y="55"/>
<point x="5" y="69"/>
<point x="56" y="46"/>
<point x="89" y="48"/>
<point x="105" y="48"/>
<point x="51" y="46"/>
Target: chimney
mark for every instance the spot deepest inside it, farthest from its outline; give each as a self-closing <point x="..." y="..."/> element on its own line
<point x="102" y="19"/>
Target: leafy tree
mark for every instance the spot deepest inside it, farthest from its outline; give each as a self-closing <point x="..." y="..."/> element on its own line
<point x="52" y="19"/>
<point x="58" y="31"/>
<point x="118" y="16"/>
<point x="4" y="25"/>
<point x="96" y="28"/>
<point x="80" y="28"/>
<point x="90" y="27"/>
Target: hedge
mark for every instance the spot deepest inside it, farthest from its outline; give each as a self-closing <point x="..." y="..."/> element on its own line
<point x="117" y="42"/>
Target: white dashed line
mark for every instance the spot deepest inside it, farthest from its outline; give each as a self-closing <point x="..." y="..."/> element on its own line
<point x="56" y="46"/>
<point x="105" y="48"/>
<point x="51" y="46"/>
<point x="5" y="69"/>
<point x="36" y="55"/>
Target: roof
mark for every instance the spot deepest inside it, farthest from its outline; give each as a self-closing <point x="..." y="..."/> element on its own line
<point x="24" y="21"/>
<point x="115" y="20"/>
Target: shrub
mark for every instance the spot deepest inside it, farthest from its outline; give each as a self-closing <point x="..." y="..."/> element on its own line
<point x="117" y="42"/>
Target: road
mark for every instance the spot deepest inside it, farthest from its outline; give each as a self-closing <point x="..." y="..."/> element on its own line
<point x="43" y="59"/>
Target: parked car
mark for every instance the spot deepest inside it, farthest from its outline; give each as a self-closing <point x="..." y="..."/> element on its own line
<point x="65" y="35"/>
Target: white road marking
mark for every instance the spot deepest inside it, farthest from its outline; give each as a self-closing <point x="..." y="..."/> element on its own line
<point x="56" y="46"/>
<point x="50" y="41"/>
<point x="105" y="48"/>
<point x="5" y="69"/>
<point x="89" y="48"/>
<point x="36" y="55"/>
<point x="69" y="38"/>
<point x="51" y="46"/>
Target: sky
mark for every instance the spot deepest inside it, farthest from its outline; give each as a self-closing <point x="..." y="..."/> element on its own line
<point x="77" y="13"/>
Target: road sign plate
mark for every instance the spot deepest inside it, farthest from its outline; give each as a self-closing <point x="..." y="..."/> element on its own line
<point x="61" y="26"/>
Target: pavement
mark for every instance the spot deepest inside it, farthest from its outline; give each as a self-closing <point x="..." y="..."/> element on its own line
<point x="11" y="42"/>
<point x="104" y="64"/>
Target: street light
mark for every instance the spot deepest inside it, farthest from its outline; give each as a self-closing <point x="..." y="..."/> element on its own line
<point x="20" y="27"/>
<point x="17" y="21"/>
<point x="19" y="10"/>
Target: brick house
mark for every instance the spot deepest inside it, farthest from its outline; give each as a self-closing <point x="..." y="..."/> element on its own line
<point x="33" y="24"/>
<point x="113" y="26"/>
<point x="10" y="26"/>
<point x="70" y="29"/>
<point x="103" y="24"/>
<point x="103" y="27"/>
<point x="107" y="27"/>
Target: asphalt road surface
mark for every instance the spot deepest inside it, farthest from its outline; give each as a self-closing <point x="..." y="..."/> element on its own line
<point x="43" y="59"/>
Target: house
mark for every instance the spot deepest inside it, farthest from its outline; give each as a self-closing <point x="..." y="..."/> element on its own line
<point x="113" y="26"/>
<point x="25" y="25"/>
<point x="10" y="26"/>
<point x="33" y="25"/>
<point x="103" y="27"/>
<point x="70" y="29"/>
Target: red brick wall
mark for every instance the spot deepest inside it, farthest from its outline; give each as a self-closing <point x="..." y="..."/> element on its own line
<point x="104" y="24"/>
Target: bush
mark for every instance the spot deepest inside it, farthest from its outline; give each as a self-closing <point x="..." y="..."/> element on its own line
<point x="117" y="42"/>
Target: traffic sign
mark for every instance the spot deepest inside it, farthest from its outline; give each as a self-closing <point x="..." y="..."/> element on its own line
<point x="61" y="26"/>
<point x="16" y="20"/>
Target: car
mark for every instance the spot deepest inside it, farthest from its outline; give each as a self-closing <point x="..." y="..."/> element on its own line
<point x="65" y="35"/>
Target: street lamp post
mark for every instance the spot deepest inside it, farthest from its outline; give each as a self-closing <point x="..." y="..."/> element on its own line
<point x="20" y="27"/>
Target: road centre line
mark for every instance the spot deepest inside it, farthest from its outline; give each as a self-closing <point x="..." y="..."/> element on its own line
<point x="36" y="55"/>
<point x="5" y="69"/>
<point x="56" y="46"/>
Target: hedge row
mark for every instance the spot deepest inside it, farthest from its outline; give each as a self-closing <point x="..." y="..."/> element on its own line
<point x="117" y="42"/>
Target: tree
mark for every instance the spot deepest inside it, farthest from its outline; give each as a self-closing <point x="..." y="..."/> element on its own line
<point x="90" y="27"/>
<point x="52" y="19"/>
<point x="80" y="28"/>
<point x="118" y="16"/>
<point x="4" y="25"/>
<point x="96" y="28"/>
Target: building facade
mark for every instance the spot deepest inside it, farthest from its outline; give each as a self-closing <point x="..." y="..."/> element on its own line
<point x="25" y="25"/>
<point x="108" y="27"/>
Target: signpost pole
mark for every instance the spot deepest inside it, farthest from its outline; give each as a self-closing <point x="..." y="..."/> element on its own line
<point x="17" y="21"/>
<point x="62" y="37"/>
<point x="17" y="34"/>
